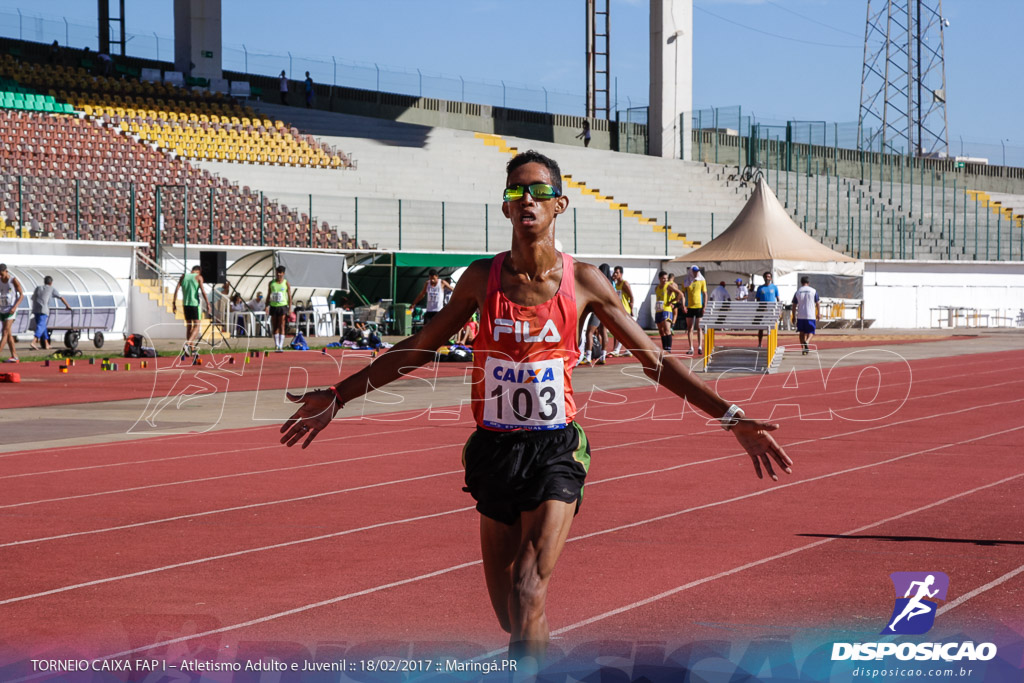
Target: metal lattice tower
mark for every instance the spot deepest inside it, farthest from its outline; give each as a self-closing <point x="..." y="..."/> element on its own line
<point x="903" y="80"/>
<point x="598" y="60"/>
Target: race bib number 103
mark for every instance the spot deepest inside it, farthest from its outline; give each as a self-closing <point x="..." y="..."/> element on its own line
<point x="528" y="395"/>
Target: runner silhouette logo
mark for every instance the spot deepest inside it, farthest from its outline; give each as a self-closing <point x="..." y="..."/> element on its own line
<point x="917" y="596"/>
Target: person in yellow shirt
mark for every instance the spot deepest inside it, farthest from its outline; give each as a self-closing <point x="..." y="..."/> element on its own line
<point x="664" y="295"/>
<point x="696" y="297"/>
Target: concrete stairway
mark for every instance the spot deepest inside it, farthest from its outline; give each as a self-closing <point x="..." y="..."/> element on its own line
<point x="153" y="310"/>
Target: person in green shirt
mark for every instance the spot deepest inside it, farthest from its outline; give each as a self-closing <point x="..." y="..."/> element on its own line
<point x="191" y="286"/>
<point x="279" y="300"/>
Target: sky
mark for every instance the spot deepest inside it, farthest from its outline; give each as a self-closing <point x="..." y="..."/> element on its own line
<point x="777" y="59"/>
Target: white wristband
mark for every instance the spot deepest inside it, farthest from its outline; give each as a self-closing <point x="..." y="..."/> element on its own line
<point x="731" y="417"/>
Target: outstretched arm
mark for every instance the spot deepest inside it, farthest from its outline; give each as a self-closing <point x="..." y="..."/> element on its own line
<point x="318" y="408"/>
<point x="594" y="291"/>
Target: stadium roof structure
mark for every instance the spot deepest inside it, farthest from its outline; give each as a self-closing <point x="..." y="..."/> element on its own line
<point x="764" y="238"/>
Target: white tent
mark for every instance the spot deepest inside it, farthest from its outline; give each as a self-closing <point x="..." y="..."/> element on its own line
<point x="764" y="238"/>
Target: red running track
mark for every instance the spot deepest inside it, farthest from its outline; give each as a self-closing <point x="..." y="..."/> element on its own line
<point x="204" y="544"/>
<point x="43" y="385"/>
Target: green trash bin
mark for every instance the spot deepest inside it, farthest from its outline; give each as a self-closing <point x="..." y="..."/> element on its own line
<point x="403" y="319"/>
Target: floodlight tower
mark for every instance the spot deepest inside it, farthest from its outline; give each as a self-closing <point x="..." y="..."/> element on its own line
<point x="598" y="60"/>
<point x="903" y="80"/>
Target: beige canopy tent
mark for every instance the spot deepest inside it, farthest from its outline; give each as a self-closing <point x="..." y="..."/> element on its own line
<point x="764" y="238"/>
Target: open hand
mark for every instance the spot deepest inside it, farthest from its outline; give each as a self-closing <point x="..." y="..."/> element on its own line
<point x="316" y="411"/>
<point x="762" y="448"/>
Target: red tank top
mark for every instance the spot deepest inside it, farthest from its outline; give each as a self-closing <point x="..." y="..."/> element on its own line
<point x="523" y="357"/>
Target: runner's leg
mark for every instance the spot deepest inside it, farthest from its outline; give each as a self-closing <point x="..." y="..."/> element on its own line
<point x="544" y="531"/>
<point x="499" y="544"/>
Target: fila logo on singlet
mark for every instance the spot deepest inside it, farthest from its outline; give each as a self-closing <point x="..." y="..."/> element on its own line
<point x="521" y="330"/>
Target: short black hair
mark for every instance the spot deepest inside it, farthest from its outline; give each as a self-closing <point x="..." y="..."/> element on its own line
<point x="661" y="273"/>
<point x="432" y="272"/>
<point x="279" y="269"/>
<point x="195" y="268"/>
<point x="767" y="273"/>
<point x="532" y="156"/>
<point x="618" y="268"/>
<point x="805" y="280"/>
<point x="47" y="280"/>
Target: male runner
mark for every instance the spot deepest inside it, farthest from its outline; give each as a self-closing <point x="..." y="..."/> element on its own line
<point x="526" y="461"/>
<point x="665" y="296"/>
<point x="191" y="286"/>
<point x="279" y="298"/>
<point x="696" y="296"/>
<point x="434" y="289"/>
<point x="11" y="294"/>
<point x="767" y="292"/>
<point x="625" y="293"/>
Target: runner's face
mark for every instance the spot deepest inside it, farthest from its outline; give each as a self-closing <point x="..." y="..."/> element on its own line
<point x="663" y="279"/>
<point x="529" y="214"/>
<point x="433" y="280"/>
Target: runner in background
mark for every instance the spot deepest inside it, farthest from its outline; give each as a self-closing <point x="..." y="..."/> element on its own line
<point x="434" y="289"/>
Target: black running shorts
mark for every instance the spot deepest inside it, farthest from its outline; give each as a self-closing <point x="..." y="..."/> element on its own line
<point x="512" y="472"/>
<point x="191" y="312"/>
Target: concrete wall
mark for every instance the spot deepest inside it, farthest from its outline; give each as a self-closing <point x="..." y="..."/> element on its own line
<point x="902" y="293"/>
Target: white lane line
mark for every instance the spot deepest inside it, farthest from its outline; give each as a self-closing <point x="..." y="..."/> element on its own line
<point x="249" y="449"/>
<point x="341" y="438"/>
<point x="788" y="553"/>
<point x="980" y="589"/>
<point x="571" y="540"/>
<point x="238" y="553"/>
<point x="227" y="476"/>
<point x="230" y="509"/>
<point x="592" y="483"/>
<point x="599" y="617"/>
<point x="321" y="464"/>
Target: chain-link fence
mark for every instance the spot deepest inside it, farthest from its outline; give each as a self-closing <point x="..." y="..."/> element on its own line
<point x="327" y="70"/>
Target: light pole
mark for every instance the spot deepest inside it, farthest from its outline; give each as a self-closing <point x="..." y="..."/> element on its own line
<point x="674" y="41"/>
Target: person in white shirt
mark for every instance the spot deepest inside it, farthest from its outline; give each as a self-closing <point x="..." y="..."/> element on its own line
<point x="434" y="290"/>
<point x="720" y="293"/>
<point x="741" y="292"/>
<point x="805" y="311"/>
<point x="258" y="305"/>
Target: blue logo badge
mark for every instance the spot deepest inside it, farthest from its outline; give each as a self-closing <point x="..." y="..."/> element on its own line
<point x="917" y="596"/>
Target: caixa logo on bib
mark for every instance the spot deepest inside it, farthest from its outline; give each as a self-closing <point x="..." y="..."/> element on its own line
<point x="916" y="604"/>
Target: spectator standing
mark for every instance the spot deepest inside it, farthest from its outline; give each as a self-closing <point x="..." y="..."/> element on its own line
<point x="769" y="293"/>
<point x="11" y="294"/>
<point x="585" y="133"/>
<point x="741" y="291"/>
<point x="693" y="307"/>
<point x="309" y="91"/>
<point x="41" y="296"/>
<point x="806" y="310"/>
<point x="283" y="86"/>
<point x="434" y="289"/>
<point x="720" y="293"/>
<point x="54" y="57"/>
